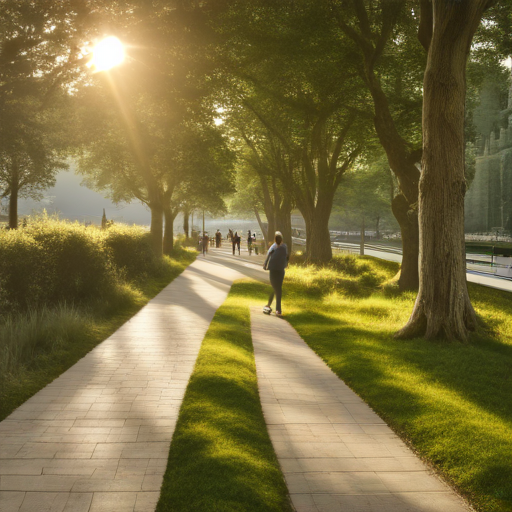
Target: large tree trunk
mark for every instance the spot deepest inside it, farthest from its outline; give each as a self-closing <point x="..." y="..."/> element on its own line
<point x="318" y="238"/>
<point x="284" y="224"/>
<point x="13" y="207"/>
<point x="186" y="228"/>
<point x="271" y="227"/>
<point x="402" y="163"/>
<point x="405" y="212"/>
<point x="442" y="306"/>
<point x="157" y="229"/>
<point x="408" y="221"/>
<point x="168" y="244"/>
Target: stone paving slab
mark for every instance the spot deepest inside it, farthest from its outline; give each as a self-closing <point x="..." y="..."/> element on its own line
<point x="97" y="438"/>
<point x="336" y="453"/>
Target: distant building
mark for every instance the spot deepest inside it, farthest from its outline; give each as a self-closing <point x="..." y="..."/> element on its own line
<point x="488" y="202"/>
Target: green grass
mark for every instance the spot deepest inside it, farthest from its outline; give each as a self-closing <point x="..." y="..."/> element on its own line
<point x="450" y="401"/>
<point x="221" y="456"/>
<point x="39" y="345"/>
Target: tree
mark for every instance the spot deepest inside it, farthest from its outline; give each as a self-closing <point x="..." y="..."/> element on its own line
<point x="302" y="129"/>
<point x="391" y="67"/>
<point x="140" y="120"/>
<point x="39" y="58"/>
<point x="202" y="177"/>
<point x="266" y="157"/>
<point x="29" y="156"/>
<point x="443" y="307"/>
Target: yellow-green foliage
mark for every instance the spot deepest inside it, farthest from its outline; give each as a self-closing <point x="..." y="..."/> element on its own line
<point x="131" y="251"/>
<point x="51" y="261"/>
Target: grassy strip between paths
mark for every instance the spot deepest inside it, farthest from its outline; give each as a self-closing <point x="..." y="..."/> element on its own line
<point x="62" y="335"/>
<point x="221" y="456"/>
<point x="450" y="401"/>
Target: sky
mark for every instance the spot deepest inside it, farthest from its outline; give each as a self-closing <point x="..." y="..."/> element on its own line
<point x="77" y="202"/>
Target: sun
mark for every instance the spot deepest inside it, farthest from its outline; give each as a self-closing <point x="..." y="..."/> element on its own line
<point x="107" y="53"/>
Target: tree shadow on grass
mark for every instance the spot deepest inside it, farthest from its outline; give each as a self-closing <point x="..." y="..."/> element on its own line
<point x="221" y="456"/>
<point x="376" y="367"/>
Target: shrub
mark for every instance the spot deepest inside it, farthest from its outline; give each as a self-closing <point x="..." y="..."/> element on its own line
<point x="130" y="248"/>
<point x="75" y="263"/>
<point x="52" y="261"/>
<point x="22" y="281"/>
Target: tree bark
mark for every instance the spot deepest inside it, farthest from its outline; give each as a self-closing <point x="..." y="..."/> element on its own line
<point x="284" y="224"/>
<point x="186" y="227"/>
<point x="268" y="206"/>
<point x="442" y="307"/>
<point x="283" y="217"/>
<point x="13" y="206"/>
<point x="271" y="229"/>
<point x="168" y="244"/>
<point x="318" y="238"/>
<point x="156" y="229"/>
<point x="408" y="220"/>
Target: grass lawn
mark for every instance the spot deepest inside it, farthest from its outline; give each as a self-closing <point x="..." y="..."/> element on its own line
<point x="450" y="401"/>
<point x="221" y="456"/>
<point x="57" y="338"/>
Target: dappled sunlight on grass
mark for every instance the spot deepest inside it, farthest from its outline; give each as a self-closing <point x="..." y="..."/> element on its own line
<point x="450" y="400"/>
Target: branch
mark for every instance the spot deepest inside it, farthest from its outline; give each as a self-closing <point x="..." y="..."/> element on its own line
<point x="352" y="33"/>
<point x="267" y="124"/>
<point x="426" y="23"/>
<point x="362" y="16"/>
<point x="346" y="164"/>
<point x="339" y="142"/>
<point x="390" y="12"/>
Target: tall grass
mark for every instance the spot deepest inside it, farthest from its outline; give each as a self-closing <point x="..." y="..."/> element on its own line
<point x="25" y="336"/>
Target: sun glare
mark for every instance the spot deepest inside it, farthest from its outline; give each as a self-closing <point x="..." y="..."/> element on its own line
<point x="107" y="54"/>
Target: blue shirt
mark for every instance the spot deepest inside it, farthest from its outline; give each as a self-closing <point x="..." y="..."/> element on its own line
<point x="279" y="258"/>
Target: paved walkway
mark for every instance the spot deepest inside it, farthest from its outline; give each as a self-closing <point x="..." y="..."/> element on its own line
<point x="97" y="438"/>
<point x="337" y="455"/>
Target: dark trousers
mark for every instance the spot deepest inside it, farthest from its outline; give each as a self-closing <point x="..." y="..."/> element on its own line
<point x="276" y="280"/>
